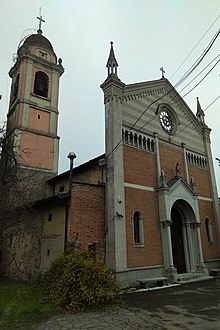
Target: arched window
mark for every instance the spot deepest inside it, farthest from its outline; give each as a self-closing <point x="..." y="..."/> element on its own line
<point x="209" y="233"/>
<point x="138" y="228"/>
<point x="41" y="84"/>
<point x="16" y="84"/>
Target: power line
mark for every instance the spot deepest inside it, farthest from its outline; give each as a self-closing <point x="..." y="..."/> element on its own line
<point x="202" y="79"/>
<point x="194" y="47"/>
<point x="199" y="73"/>
<point x="198" y="61"/>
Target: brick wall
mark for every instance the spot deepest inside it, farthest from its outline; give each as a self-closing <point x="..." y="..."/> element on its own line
<point x="150" y="253"/>
<point x="210" y="251"/>
<point x="87" y="214"/>
<point x="139" y="167"/>
<point x="170" y="155"/>
<point x="202" y="180"/>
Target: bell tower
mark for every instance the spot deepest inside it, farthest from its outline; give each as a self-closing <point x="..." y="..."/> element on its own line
<point x="33" y="109"/>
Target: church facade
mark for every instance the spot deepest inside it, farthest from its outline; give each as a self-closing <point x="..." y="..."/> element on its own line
<point x="162" y="204"/>
<point x="150" y="202"/>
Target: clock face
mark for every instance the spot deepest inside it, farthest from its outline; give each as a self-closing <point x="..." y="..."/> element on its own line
<point x="167" y="120"/>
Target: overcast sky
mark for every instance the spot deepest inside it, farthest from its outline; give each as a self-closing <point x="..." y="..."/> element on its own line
<point x="146" y="34"/>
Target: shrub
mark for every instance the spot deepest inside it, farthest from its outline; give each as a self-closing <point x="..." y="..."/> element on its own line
<point x="76" y="282"/>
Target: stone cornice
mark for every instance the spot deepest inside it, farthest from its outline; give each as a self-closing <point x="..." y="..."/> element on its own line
<point x="133" y="95"/>
<point x="113" y="89"/>
<point x="28" y="56"/>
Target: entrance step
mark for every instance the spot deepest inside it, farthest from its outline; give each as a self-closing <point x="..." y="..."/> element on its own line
<point x="215" y="272"/>
<point x="190" y="277"/>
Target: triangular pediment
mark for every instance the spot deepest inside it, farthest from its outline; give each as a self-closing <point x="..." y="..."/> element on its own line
<point x="142" y="104"/>
<point x="180" y="188"/>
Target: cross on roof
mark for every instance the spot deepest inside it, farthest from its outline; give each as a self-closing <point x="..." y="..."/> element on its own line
<point x="40" y="21"/>
<point x="163" y="71"/>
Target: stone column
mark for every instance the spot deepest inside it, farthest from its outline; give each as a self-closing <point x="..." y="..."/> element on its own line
<point x="171" y="270"/>
<point x="157" y="158"/>
<point x="202" y="267"/>
<point x="190" y="250"/>
<point x="185" y="162"/>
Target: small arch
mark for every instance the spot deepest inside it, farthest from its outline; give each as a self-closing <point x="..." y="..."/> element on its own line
<point x="135" y="140"/>
<point x="131" y="138"/>
<point x="152" y="145"/>
<point x="188" y="157"/>
<point x="41" y="84"/>
<point x="144" y="143"/>
<point x="126" y="136"/>
<point x="148" y="144"/>
<point x="140" y="141"/>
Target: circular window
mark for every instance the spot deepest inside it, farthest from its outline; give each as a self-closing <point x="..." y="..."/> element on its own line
<point x="167" y="120"/>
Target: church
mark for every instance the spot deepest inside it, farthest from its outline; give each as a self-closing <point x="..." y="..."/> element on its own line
<point x="148" y="207"/>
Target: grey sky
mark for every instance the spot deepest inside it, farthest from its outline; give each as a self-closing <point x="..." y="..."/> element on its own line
<point x="146" y="34"/>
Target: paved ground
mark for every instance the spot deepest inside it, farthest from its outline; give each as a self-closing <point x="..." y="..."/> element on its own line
<point x="190" y="306"/>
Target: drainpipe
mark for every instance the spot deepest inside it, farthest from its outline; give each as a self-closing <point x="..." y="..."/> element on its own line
<point x="71" y="156"/>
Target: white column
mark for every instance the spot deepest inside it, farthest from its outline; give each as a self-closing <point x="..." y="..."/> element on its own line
<point x="185" y="162"/>
<point x="169" y="241"/>
<point x="201" y="261"/>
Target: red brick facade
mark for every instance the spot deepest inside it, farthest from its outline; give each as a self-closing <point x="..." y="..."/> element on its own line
<point x="87" y="214"/>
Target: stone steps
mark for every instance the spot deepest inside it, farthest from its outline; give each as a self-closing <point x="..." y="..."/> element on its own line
<point x="190" y="277"/>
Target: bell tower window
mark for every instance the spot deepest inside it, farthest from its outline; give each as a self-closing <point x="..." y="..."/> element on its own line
<point x="41" y="84"/>
<point x="15" y="89"/>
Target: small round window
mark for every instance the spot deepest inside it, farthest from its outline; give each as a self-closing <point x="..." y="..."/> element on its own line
<point x="167" y="119"/>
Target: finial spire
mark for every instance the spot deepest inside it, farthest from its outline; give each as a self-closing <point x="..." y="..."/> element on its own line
<point x="200" y="113"/>
<point x="39" y="31"/>
<point x="112" y="63"/>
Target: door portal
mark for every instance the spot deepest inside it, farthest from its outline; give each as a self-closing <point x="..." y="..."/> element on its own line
<point x="177" y="241"/>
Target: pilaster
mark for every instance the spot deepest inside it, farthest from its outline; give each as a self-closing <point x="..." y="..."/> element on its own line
<point x="116" y="256"/>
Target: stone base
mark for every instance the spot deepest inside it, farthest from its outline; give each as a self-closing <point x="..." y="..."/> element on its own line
<point x="171" y="273"/>
<point x="202" y="268"/>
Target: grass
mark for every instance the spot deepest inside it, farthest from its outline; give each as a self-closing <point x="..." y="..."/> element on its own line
<point x="22" y="304"/>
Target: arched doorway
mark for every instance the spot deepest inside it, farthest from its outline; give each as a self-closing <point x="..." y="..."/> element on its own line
<point x="184" y="238"/>
<point x="177" y="241"/>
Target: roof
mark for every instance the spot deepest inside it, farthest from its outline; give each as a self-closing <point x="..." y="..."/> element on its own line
<point x="83" y="166"/>
<point x="37" y="39"/>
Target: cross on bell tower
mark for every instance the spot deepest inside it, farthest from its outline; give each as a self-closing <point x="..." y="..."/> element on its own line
<point x="39" y="31"/>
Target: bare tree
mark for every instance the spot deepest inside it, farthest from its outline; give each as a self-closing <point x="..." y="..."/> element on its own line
<point x="20" y="220"/>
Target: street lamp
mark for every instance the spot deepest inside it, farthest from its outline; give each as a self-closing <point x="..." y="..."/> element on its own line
<point x="71" y="156"/>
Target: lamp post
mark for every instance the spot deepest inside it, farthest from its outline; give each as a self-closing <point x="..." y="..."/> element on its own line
<point x="71" y="156"/>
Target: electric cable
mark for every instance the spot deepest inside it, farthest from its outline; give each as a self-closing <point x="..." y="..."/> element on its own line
<point x="194" y="47"/>
<point x="199" y="73"/>
<point x="198" y="61"/>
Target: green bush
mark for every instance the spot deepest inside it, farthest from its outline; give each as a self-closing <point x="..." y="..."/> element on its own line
<point x="76" y="282"/>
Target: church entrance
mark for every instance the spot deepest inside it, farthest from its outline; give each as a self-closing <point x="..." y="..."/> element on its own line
<point x="177" y="241"/>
